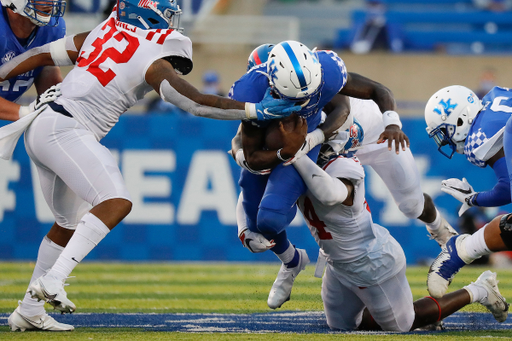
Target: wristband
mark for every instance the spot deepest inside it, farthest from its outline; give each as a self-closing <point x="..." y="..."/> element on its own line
<point x="250" y="111"/>
<point x="391" y="117"/>
<point x="471" y="200"/>
<point x="280" y="157"/>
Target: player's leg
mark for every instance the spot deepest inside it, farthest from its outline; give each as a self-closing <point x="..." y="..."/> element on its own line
<point x="484" y="291"/>
<point x="343" y="309"/>
<point x="277" y="209"/>
<point x="31" y="315"/>
<point x="401" y="176"/>
<point x="72" y="153"/>
<point x="389" y="303"/>
<point x="464" y="249"/>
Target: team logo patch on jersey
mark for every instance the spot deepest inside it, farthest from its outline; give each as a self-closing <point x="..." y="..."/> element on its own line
<point x="447" y="107"/>
<point x="8" y="56"/>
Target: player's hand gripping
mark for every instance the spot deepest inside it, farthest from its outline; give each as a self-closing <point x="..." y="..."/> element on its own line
<point x="240" y="160"/>
<point x="460" y="190"/>
<point x="271" y="108"/>
<point x="50" y="95"/>
<point x="394" y="133"/>
<point x="254" y="241"/>
<point x="312" y="140"/>
<point x="294" y="140"/>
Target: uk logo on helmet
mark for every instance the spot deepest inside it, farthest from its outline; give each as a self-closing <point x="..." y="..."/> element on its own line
<point x="446" y="106"/>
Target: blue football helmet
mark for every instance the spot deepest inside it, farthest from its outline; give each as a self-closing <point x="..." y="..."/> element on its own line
<point x="40" y="12"/>
<point x="259" y="55"/>
<point x="150" y="14"/>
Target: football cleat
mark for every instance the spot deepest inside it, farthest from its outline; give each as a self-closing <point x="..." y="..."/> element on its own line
<point x="18" y="321"/>
<point x="282" y="287"/>
<point x="494" y="301"/>
<point x="51" y="290"/>
<point x="451" y="259"/>
<point x="443" y="234"/>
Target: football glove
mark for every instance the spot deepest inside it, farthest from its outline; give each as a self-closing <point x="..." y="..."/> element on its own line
<point x="240" y="160"/>
<point x="254" y="241"/>
<point x="460" y="190"/>
<point x="271" y="108"/>
<point x="50" y="95"/>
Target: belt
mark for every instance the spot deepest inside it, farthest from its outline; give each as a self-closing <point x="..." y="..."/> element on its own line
<point x="59" y="108"/>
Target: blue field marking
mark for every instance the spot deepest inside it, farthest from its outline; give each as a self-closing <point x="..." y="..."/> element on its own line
<point x="308" y="322"/>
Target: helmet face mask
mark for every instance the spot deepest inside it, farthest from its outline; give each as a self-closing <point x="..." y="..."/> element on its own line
<point x="294" y="71"/>
<point x="449" y="114"/>
<point x="149" y="14"/>
<point x="40" y="12"/>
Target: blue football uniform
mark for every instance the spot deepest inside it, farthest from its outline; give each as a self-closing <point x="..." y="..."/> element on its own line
<point x="269" y="201"/>
<point x="11" y="46"/>
<point x="486" y="138"/>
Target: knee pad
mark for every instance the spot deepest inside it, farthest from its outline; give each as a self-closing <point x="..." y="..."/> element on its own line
<point x="506" y="230"/>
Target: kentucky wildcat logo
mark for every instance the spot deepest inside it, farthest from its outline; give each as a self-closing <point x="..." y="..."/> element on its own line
<point x="447" y="107"/>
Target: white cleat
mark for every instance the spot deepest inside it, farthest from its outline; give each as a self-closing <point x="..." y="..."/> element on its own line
<point x="494" y="302"/>
<point x="18" y="321"/>
<point x="51" y="290"/>
<point x="282" y="287"/>
<point x="443" y="234"/>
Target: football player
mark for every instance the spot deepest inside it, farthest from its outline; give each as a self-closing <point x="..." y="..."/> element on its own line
<point x="365" y="125"/>
<point x="25" y="25"/>
<point x="365" y="286"/>
<point x="459" y="121"/>
<point x="137" y="49"/>
<point x="312" y="79"/>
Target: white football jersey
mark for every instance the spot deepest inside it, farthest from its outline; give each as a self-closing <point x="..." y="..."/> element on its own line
<point x="347" y="235"/>
<point x="109" y="75"/>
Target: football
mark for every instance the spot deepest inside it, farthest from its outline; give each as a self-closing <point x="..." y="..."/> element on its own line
<point x="273" y="138"/>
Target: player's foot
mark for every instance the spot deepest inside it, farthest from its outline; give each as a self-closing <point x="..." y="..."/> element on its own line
<point x="51" y="290"/>
<point x="282" y="287"/>
<point x="18" y="321"/>
<point x="494" y="302"/>
<point x="451" y="259"/>
<point x="443" y="234"/>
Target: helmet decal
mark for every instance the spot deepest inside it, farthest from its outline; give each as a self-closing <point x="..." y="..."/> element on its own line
<point x="296" y="65"/>
<point x="446" y="106"/>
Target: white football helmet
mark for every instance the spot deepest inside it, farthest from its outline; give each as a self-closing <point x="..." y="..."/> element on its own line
<point x="40" y="12"/>
<point x="294" y="71"/>
<point x="449" y="114"/>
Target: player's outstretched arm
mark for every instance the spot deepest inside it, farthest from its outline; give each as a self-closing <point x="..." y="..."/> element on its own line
<point x="328" y="190"/>
<point x="361" y="87"/>
<point x="60" y="52"/>
<point x="172" y="88"/>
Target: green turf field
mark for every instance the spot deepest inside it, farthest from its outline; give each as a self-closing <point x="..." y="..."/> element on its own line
<point x="203" y="288"/>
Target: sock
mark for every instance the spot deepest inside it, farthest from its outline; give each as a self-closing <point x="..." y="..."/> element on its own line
<point x="88" y="234"/>
<point x="434" y="226"/>
<point x="46" y="257"/>
<point x="295" y="260"/>
<point x="477" y="293"/>
<point x="475" y="244"/>
<point x="287" y="256"/>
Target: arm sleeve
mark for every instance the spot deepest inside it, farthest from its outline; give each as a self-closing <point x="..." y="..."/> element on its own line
<point x="500" y="194"/>
<point x="328" y="190"/>
<point x="169" y="94"/>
